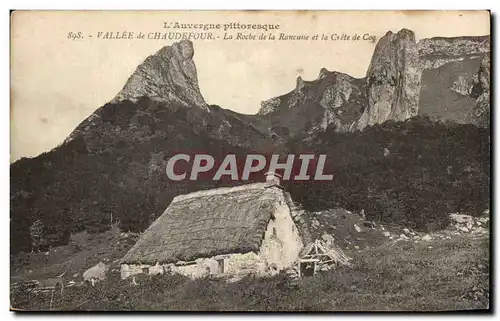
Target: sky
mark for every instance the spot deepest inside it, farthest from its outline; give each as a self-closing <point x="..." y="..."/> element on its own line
<point x="57" y="81"/>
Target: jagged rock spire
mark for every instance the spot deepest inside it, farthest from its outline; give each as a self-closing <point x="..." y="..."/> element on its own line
<point x="393" y="79"/>
<point x="169" y="75"/>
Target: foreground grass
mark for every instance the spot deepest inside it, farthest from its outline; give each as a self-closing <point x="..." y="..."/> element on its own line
<point x="434" y="276"/>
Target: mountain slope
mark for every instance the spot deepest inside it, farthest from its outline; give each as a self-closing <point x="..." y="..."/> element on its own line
<point x="450" y="79"/>
<point x="114" y="170"/>
<point x="111" y="167"/>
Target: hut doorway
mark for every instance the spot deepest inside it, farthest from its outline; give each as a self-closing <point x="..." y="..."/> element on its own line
<point x="220" y="266"/>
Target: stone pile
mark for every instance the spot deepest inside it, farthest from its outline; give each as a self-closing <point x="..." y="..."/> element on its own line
<point x="469" y="224"/>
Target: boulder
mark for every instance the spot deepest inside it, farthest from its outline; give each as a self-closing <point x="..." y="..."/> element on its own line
<point x="96" y="273"/>
<point x="480" y="230"/>
<point x="461" y="218"/>
<point x="426" y="237"/>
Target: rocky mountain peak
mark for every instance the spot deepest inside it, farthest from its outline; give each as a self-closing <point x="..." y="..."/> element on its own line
<point x="300" y="83"/>
<point x="169" y="75"/>
<point x="323" y="73"/>
<point x="393" y="80"/>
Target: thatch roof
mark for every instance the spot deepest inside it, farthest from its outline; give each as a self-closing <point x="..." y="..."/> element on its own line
<point x="208" y="223"/>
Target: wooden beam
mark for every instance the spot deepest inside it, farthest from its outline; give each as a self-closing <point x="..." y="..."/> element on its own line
<point x="308" y="260"/>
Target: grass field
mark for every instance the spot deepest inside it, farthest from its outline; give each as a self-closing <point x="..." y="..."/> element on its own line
<point x="438" y="275"/>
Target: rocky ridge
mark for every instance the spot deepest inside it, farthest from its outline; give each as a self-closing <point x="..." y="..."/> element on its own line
<point x="435" y="52"/>
<point x="390" y="90"/>
<point x="403" y="80"/>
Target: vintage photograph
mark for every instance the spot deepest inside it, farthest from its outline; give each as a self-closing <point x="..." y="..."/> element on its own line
<point x="250" y="161"/>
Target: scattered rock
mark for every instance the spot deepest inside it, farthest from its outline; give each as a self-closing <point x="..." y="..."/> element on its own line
<point x="358" y="229"/>
<point x="483" y="219"/>
<point x="403" y="237"/>
<point x="461" y="218"/>
<point x="407" y="231"/>
<point x="356" y="247"/>
<point x="386" y="233"/>
<point x="462" y="86"/>
<point x="480" y="230"/>
<point x="426" y="237"/>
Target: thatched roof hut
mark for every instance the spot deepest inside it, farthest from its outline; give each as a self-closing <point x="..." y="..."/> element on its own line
<point x="208" y="223"/>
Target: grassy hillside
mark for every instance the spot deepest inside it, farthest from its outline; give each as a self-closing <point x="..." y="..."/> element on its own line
<point x="412" y="173"/>
<point x="439" y="275"/>
<point x="437" y="97"/>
